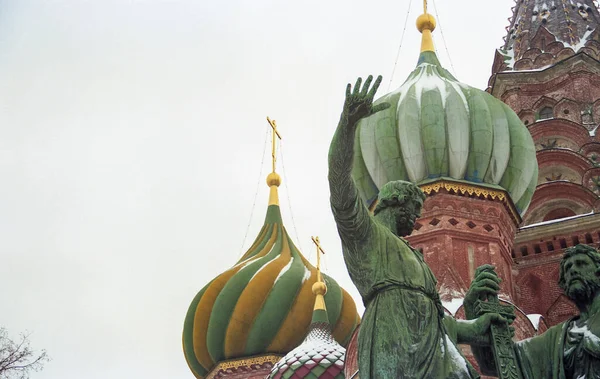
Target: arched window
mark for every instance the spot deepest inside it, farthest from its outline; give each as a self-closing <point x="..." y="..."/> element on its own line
<point x="559" y="213"/>
<point x="546" y="113"/>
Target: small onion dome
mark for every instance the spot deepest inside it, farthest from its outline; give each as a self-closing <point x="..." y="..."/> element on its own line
<point x="319" y="355"/>
<point x="262" y="304"/>
<point x="438" y="128"/>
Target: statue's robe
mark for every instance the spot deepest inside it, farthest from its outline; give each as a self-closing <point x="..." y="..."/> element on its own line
<point x="564" y="351"/>
<point x="403" y="333"/>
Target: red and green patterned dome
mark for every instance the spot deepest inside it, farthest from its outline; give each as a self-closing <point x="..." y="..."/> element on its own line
<point x="263" y="304"/>
<point x="319" y="356"/>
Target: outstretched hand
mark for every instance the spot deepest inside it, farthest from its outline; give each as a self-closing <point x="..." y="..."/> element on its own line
<point x="359" y="102"/>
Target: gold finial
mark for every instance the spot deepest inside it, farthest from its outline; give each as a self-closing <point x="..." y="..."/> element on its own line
<point x="426" y="25"/>
<point x="319" y="288"/>
<point x="273" y="179"/>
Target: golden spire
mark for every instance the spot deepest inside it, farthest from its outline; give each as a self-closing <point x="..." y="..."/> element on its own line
<point x="426" y="25"/>
<point x="273" y="179"/>
<point x="319" y="288"/>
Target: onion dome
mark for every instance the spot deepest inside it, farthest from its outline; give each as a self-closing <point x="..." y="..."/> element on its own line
<point x="262" y="304"/>
<point x="440" y="129"/>
<point x="319" y="355"/>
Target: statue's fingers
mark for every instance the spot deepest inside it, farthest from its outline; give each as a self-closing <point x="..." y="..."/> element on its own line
<point x="365" y="88"/>
<point x="488" y="283"/>
<point x="498" y="319"/>
<point x="375" y="86"/>
<point x="487" y="275"/>
<point x="511" y="318"/>
<point x="357" y="86"/>
<point x="483" y="292"/>
<point x="484" y="268"/>
<point x="348" y="90"/>
<point x="380" y="107"/>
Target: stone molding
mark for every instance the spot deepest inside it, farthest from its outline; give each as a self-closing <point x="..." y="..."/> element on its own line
<point x="471" y="190"/>
<point x="235" y="367"/>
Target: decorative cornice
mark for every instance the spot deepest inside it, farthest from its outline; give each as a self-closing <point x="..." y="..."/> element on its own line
<point x="548" y="231"/>
<point x="234" y="366"/>
<point x="470" y="190"/>
<point x="561" y="72"/>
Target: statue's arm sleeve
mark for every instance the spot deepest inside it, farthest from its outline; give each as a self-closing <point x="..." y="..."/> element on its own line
<point x="351" y="215"/>
<point x="537" y="356"/>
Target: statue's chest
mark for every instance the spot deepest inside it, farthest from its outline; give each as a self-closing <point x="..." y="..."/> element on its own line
<point x="403" y="263"/>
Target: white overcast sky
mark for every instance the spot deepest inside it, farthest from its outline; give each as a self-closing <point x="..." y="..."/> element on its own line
<point x="131" y="141"/>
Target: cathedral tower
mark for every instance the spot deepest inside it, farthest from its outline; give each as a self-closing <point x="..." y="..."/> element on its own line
<point x="548" y="72"/>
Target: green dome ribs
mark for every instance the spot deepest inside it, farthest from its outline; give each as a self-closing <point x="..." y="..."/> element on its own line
<point x="458" y="135"/>
<point x="228" y="298"/>
<point x="433" y="133"/>
<point x="188" y="335"/>
<point x="386" y="136"/>
<point x="368" y="144"/>
<point x="501" y="139"/>
<point x="443" y="129"/>
<point x="276" y="306"/>
<point x="522" y="162"/>
<point x="482" y="137"/>
<point x="525" y="200"/>
<point x="409" y="133"/>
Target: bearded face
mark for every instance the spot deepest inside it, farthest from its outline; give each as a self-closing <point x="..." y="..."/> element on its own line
<point x="405" y="222"/>
<point x="400" y="219"/>
<point x="581" y="279"/>
<point x="583" y="290"/>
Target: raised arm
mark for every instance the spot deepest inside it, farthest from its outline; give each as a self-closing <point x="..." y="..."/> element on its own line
<point x="347" y="207"/>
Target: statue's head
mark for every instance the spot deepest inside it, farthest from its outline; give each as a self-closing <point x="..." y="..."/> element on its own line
<point x="399" y="205"/>
<point x="580" y="273"/>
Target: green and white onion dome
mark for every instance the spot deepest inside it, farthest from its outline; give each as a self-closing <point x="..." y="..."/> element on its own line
<point x="438" y="128"/>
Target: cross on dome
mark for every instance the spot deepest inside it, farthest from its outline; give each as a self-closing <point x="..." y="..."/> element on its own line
<point x="273" y="179"/>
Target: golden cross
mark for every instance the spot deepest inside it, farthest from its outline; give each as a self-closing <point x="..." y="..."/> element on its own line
<point x="424" y="6"/>
<point x="273" y="124"/>
<point x="319" y="252"/>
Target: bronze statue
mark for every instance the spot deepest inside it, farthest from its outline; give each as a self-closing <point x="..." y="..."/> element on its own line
<point x="569" y="350"/>
<point x="404" y="333"/>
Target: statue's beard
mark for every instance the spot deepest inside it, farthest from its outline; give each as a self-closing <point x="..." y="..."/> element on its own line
<point x="585" y="292"/>
<point x="404" y="223"/>
<point x="400" y="221"/>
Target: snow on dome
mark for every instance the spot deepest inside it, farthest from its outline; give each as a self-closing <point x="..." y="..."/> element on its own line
<point x="438" y="128"/>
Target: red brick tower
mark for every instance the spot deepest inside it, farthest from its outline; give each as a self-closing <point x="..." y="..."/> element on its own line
<point x="548" y="72"/>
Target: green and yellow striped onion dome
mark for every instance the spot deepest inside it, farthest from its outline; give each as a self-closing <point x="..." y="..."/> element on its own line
<point x="261" y="305"/>
<point x="438" y="128"/>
